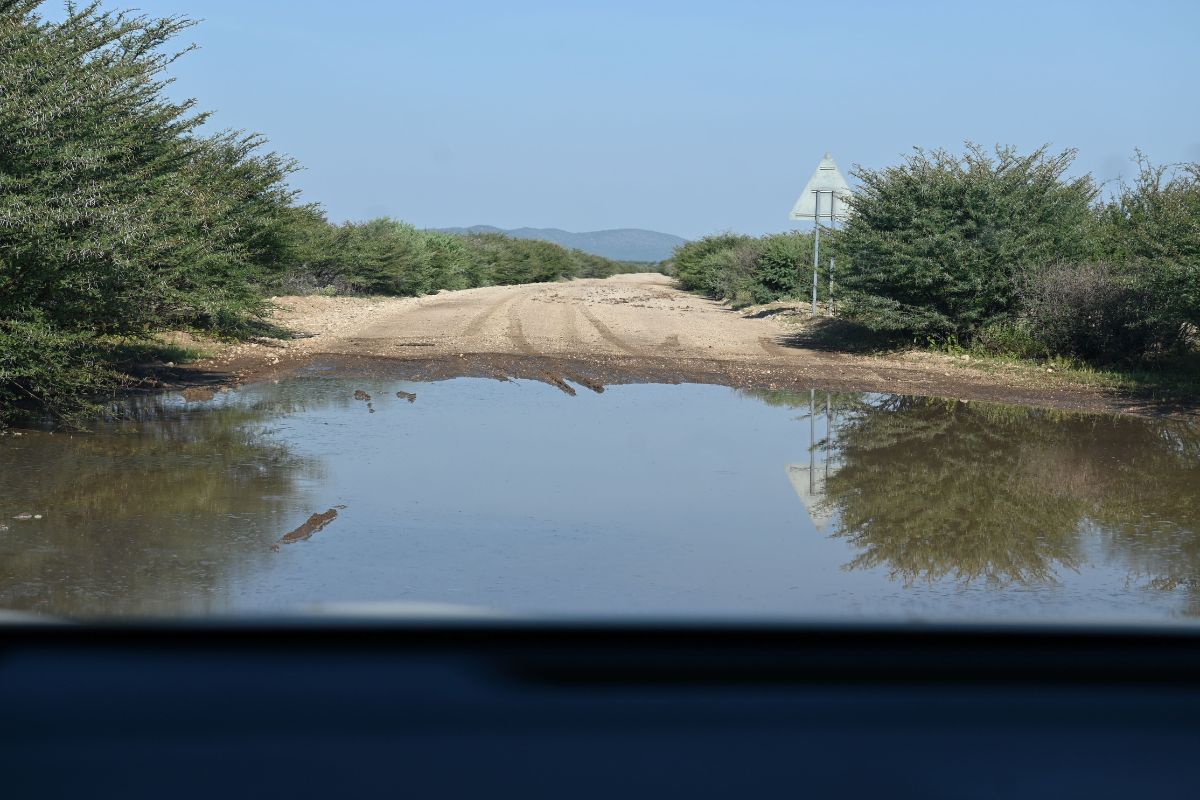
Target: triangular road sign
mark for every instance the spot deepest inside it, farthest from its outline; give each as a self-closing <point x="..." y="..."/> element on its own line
<point x="827" y="188"/>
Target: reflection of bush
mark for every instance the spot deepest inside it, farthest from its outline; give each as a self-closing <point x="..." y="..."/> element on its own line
<point x="930" y="489"/>
<point x="153" y="517"/>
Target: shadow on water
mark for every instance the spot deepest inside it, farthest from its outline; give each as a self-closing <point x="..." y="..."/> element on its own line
<point x="940" y="489"/>
<point x="158" y="511"/>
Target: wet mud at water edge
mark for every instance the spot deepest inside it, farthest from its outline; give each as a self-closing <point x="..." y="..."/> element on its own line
<point x="514" y="495"/>
<point x="595" y="371"/>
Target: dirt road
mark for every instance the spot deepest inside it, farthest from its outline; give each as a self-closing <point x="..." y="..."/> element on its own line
<point x="626" y="315"/>
<point x="627" y="328"/>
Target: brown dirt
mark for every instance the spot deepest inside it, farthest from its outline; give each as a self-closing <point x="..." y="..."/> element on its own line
<point x="624" y="329"/>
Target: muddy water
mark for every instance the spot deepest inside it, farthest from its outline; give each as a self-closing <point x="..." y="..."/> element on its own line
<point x="319" y="494"/>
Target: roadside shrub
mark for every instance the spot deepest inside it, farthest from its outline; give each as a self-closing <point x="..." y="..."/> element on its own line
<point x="933" y="246"/>
<point x="49" y="369"/>
<point x="117" y="216"/>
<point x="1157" y="220"/>
<point x="308" y="260"/>
<point x="1158" y="216"/>
<point x="732" y="271"/>
<point x="587" y="265"/>
<point x="384" y="256"/>
<point x="450" y="261"/>
<point x="502" y="259"/>
<point x="1012" y="337"/>
<point x="781" y="259"/>
<point x="742" y="269"/>
<point x="1097" y="311"/>
<point x="689" y="265"/>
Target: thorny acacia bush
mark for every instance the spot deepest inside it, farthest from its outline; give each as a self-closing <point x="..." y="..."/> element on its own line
<point x="1143" y="300"/>
<point x="743" y="269"/>
<point x="115" y="216"/>
<point x="1155" y="222"/>
<point x="934" y="246"/>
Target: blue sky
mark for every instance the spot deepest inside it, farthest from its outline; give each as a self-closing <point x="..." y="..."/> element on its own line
<point x="685" y="117"/>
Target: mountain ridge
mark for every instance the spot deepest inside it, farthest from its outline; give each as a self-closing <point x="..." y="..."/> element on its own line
<point x="619" y="244"/>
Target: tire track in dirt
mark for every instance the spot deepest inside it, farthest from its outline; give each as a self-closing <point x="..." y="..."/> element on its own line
<point x="568" y="315"/>
<point x="516" y="333"/>
<point x="607" y="334"/>
<point x="771" y="347"/>
<point x="475" y="326"/>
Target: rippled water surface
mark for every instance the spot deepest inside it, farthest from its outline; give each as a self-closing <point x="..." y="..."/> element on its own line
<point x="679" y="501"/>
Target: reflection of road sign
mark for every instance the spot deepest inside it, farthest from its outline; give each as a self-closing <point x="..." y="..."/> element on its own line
<point x="825" y="194"/>
<point x="809" y="485"/>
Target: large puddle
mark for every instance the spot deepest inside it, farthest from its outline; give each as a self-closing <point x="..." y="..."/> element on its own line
<point x="670" y="501"/>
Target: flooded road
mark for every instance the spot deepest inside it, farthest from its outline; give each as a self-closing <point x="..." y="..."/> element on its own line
<point x="694" y="501"/>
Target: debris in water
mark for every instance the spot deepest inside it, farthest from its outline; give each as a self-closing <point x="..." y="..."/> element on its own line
<point x="370" y="407"/>
<point x="23" y="516"/>
<point x="409" y="396"/>
<point x="199" y="394"/>
<point x="549" y="377"/>
<point x="595" y="386"/>
<point x="314" y="525"/>
<point x="359" y="394"/>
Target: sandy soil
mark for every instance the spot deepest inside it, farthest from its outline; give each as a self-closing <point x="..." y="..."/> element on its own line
<point x="627" y="328"/>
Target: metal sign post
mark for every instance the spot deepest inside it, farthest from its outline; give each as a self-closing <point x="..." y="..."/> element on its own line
<point x="816" y="248"/>
<point x="827" y="180"/>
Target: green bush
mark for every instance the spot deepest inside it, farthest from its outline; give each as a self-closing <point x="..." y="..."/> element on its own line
<point x="784" y="266"/>
<point x="450" y="261"/>
<point x="689" y="267"/>
<point x="1009" y="337"/>
<point x="587" y="265"/>
<point x="934" y="246"/>
<point x="731" y="272"/>
<point x="1157" y="220"/>
<point x="53" y="370"/>
<point x="742" y="269"/>
<point x="502" y="259"/>
<point x="384" y="256"/>
<point x="118" y="216"/>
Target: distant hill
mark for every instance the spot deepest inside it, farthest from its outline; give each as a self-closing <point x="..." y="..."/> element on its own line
<point x="620" y="244"/>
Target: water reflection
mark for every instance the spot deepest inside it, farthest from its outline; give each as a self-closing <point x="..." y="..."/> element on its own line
<point x="937" y="489"/>
<point x="158" y="512"/>
<point x="646" y="499"/>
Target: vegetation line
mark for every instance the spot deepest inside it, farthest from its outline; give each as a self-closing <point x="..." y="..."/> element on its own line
<point x="998" y="254"/>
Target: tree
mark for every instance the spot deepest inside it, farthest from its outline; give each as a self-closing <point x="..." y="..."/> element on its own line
<point x="1156" y="222"/>
<point x="934" y="246"/>
<point x="116" y="216"/>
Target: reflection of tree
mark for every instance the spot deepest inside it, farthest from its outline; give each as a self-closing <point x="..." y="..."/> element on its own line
<point x="932" y="489"/>
<point x="1150" y="519"/>
<point x="146" y="517"/>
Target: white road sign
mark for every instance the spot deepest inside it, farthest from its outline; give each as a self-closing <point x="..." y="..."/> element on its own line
<point x="824" y="195"/>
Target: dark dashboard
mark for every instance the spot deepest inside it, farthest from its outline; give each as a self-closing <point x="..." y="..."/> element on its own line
<point x="528" y="710"/>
